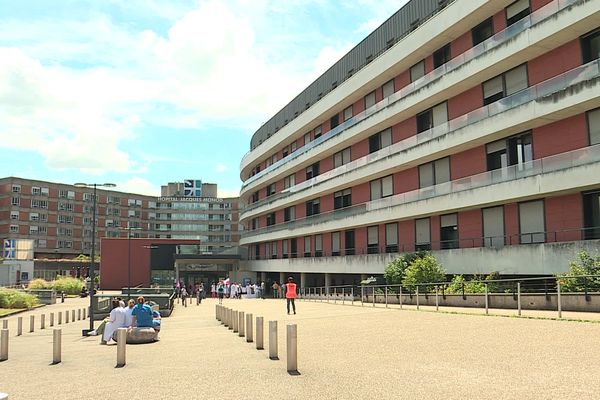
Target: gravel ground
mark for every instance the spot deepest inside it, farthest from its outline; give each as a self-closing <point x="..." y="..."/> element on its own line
<point x="344" y="352"/>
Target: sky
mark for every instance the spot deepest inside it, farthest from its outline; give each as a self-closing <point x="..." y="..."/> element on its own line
<point x="144" y="92"/>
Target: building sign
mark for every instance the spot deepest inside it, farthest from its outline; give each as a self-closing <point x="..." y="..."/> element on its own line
<point x="192" y="188"/>
<point x="194" y="199"/>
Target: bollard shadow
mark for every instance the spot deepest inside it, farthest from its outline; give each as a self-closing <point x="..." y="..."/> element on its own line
<point x="54" y="363"/>
<point x="274" y="358"/>
<point x="294" y="373"/>
<point x="119" y="366"/>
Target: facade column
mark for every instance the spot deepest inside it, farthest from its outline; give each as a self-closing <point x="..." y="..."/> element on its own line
<point x="302" y="280"/>
<point x="263" y="276"/>
<point x="176" y="271"/>
<point x="327" y="281"/>
<point x="282" y="278"/>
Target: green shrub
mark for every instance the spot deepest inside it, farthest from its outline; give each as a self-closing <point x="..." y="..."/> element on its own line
<point x="39" y="284"/>
<point x="12" y="298"/>
<point x="424" y="270"/>
<point x="585" y="264"/>
<point x="394" y="271"/>
<point x="68" y="285"/>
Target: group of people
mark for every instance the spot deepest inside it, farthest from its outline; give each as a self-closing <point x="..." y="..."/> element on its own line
<point x="135" y="314"/>
<point x="197" y="291"/>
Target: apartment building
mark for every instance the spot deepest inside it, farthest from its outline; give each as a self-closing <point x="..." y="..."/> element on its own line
<point x="467" y="128"/>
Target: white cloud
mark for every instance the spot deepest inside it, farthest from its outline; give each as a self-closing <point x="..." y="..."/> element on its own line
<point x="139" y="186"/>
<point x="220" y="167"/>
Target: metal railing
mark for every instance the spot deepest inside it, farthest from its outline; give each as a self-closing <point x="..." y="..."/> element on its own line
<point x="496" y="40"/>
<point x="579" y="293"/>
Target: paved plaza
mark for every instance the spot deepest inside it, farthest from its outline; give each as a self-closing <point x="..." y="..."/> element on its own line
<point x="344" y="352"/>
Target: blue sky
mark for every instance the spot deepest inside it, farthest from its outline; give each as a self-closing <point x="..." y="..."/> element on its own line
<point x="145" y="92"/>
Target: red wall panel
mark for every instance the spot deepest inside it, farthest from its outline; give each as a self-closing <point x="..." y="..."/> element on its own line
<point x="404" y="129"/>
<point x="402" y="80"/>
<point x="405" y="181"/>
<point x="434" y="223"/>
<point x="564" y="217"/>
<point x="561" y="136"/>
<point x="555" y="62"/>
<point x="461" y="44"/>
<point x="511" y="223"/>
<point x="468" y="162"/>
<point x="465" y="102"/>
<point x="361" y="193"/>
<point x="499" y="21"/>
<point x="537" y="4"/>
<point x="470" y="228"/>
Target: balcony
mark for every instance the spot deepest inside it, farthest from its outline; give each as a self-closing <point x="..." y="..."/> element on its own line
<point x="574" y="161"/>
<point x="461" y="60"/>
<point x="536" y="95"/>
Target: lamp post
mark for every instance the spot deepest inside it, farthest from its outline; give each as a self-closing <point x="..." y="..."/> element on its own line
<point x="129" y="229"/>
<point x="92" y="255"/>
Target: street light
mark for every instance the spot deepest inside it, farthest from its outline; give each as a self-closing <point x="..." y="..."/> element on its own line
<point x="91" y="275"/>
<point x="129" y="229"/>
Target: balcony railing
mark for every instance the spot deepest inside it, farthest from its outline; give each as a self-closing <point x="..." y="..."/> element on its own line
<point x="586" y="72"/>
<point x="500" y="38"/>
<point x="579" y="157"/>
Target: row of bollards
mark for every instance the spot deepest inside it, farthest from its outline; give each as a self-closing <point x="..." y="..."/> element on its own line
<point x="234" y="320"/>
<point x="81" y="313"/>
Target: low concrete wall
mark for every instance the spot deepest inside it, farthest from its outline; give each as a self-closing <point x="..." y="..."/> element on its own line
<point x="569" y="301"/>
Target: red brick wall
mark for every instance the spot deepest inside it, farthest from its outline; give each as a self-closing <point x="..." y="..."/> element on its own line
<point x="404" y="129"/>
<point x="511" y="223"/>
<point x="470" y="228"/>
<point x="465" y="102"/>
<point x="461" y="44"/>
<point x="405" y="181"/>
<point x="561" y="136"/>
<point x="537" y="4"/>
<point x="402" y="80"/>
<point x="434" y="223"/>
<point x="564" y="217"/>
<point x="499" y="21"/>
<point x="361" y="193"/>
<point x="468" y="162"/>
<point x="359" y="149"/>
<point x="428" y="63"/>
<point x="555" y="62"/>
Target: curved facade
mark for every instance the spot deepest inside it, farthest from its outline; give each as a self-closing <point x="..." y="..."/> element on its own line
<point x="476" y="136"/>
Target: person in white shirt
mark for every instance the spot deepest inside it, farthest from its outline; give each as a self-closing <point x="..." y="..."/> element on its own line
<point x="116" y="320"/>
<point x="128" y="315"/>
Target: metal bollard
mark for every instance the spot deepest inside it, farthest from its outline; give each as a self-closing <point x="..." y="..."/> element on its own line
<point x="273" y="340"/>
<point x="386" y="297"/>
<point x="5" y="324"/>
<point x="417" y="295"/>
<point x="4" y="345"/>
<point x="121" y="346"/>
<point x="400" y="296"/>
<point x="558" y="300"/>
<point x="241" y="324"/>
<point x="249" y="329"/>
<point x="437" y="299"/>
<point x="519" y="297"/>
<point x="51" y="319"/>
<point x="19" y="326"/>
<point x="259" y="333"/>
<point x="56" y="346"/>
<point x="235" y="321"/>
<point x="59" y="318"/>
<point x="31" y="323"/>
<point x="66" y="317"/>
<point x="352" y="294"/>
<point x="292" y="348"/>
<point x="487" y="301"/>
<point x="373" y="296"/>
<point x="43" y="321"/>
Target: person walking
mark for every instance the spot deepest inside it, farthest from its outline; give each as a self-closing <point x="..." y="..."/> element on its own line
<point x="290" y="294"/>
<point x="275" y="288"/>
<point x="184" y="296"/>
<point x="221" y="291"/>
<point x="263" y="288"/>
<point x="213" y="291"/>
<point x="199" y="294"/>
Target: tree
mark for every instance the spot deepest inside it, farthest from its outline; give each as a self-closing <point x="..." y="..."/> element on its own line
<point x="394" y="271"/>
<point x="424" y="270"/>
<point x="585" y="264"/>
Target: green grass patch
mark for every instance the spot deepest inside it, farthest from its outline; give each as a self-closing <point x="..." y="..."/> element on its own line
<point x="9" y="311"/>
<point x="12" y="298"/>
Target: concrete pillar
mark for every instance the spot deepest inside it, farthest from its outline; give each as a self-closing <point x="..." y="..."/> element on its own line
<point x="59" y="318"/>
<point x="5" y="324"/>
<point x="31" y="323"/>
<point x="121" y="346"/>
<point x="79" y="314"/>
<point x="51" y="319"/>
<point x="263" y="277"/>
<point x="56" y="346"/>
<point x="19" y="326"/>
<point x="4" y="345"/>
<point x="292" y="348"/>
<point x="235" y="321"/>
<point x="302" y="280"/>
<point x="73" y="315"/>
<point x="327" y="282"/>
<point x="43" y="321"/>
<point x="282" y="279"/>
<point x="241" y="329"/>
<point x="273" y="340"/>
<point x="249" y="328"/>
<point x="259" y="333"/>
<point x="66" y="317"/>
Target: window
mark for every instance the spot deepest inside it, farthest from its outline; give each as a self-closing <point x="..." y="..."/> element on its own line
<point x="42" y="230"/>
<point x="45" y="191"/>
<point x="313" y="207"/>
<point x="43" y="217"/>
<point x="254" y="198"/>
<point x="349" y="243"/>
<point x="65" y="232"/>
<point x="341" y="157"/>
<point x="285" y="248"/>
<point x="64" y="244"/>
<point x="417" y="71"/>
<point x="342" y="199"/>
<point x="334" y="121"/>
<point x="16" y="201"/>
<point x="294" y="247"/>
<point x="380" y="140"/>
<point x="516" y="150"/>
<point x="590" y="46"/>
<point x="65" y="219"/>
<point x="372" y="239"/>
<point x="88" y="197"/>
<point x="66" y="194"/>
<point x="307" y="139"/>
<point x="289" y="181"/>
<point x="531" y="222"/>
<point x="388" y="88"/>
<point x="273" y="249"/>
<point x="434" y="173"/>
<point x="593" y="118"/>
<point x="39" y="203"/>
<point x="335" y="243"/>
<point x="289" y="213"/>
<point x="16" y="188"/>
<point x="517" y="11"/>
<point x="318" y="130"/>
<point x="271" y="219"/>
<point x="36" y="191"/>
<point x="382" y="187"/>
<point x="435" y="116"/>
<point x="422" y="234"/>
<point x="482" y="31"/>
<point x="14" y="229"/>
<point x="441" y="56"/>
<point x="493" y="227"/>
<point x="14" y="215"/>
<point x="318" y="245"/>
<point x="307" y="246"/>
<point x="591" y="215"/>
<point x="271" y="189"/>
<point x="312" y="171"/>
<point x="41" y="243"/>
<point x="65" y="206"/>
<point x="293" y="147"/>
<point x="347" y="113"/>
<point x="33" y="230"/>
<point x="504" y="85"/>
<point x="370" y="100"/>
<point x="391" y="238"/>
<point x="449" y="231"/>
<point x="134" y="214"/>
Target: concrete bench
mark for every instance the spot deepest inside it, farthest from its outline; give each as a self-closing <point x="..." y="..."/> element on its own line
<point x="45" y="296"/>
<point x="139" y="336"/>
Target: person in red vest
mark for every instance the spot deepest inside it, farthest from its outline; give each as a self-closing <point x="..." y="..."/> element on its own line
<point x="290" y="294"/>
